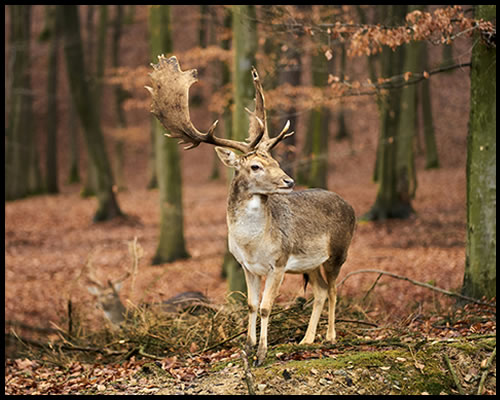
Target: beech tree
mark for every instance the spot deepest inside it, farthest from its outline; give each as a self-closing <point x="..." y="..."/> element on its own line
<point x="480" y="264"/>
<point x="108" y="207"/>
<point x="392" y="196"/>
<point x="244" y="50"/>
<point x="171" y="244"/>
<point x="22" y="173"/>
<point x="52" y="30"/>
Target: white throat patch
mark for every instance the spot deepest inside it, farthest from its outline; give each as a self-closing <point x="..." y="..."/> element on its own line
<point x="254" y="205"/>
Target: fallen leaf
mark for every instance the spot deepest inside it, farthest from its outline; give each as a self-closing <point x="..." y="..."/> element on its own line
<point x="419" y="366"/>
<point x="193" y="348"/>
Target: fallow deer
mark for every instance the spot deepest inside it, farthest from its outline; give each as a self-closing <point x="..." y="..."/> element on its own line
<point x="272" y="230"/>
<point x="108" y="300"/>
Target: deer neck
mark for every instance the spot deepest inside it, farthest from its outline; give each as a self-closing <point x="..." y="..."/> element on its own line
<point x="247" y="211"/>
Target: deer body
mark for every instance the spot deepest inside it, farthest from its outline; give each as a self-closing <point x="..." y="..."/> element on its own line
<point x="270" y="226"/>
<point x="271" y="229"/>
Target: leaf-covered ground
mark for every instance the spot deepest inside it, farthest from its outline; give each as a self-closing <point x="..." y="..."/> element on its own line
<point x="402" y="359"/>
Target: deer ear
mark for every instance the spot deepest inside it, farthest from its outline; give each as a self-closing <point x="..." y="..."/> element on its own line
<point x="93" y="290"/>
<point x="228" y="157"/>
<point x="117" y="286"/>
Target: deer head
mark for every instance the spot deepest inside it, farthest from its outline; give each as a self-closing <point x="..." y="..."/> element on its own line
<point x="107" y="296"/>
<point x="170" y="104"/>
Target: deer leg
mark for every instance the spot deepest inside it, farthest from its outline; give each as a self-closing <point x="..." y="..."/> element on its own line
<point x="253" y="288"/>
<point x="320" y="293"/>
<point x="273" y="283"/>
<point x="331" y="273"/>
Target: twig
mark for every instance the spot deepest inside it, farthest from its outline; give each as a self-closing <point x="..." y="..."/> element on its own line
<point x="355" y="321"/>
<point x="371" y="288"/>
<point x="220" y="343"/>
<point x="248" y="373"/>
<point x="144" y="354"/>
<point x="486" y="370"/>
<point x="453" y="374"/>
<point x="414" y="282"/>
<point x="70" y="318"/>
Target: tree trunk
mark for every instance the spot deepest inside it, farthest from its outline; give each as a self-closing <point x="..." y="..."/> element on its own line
<point x="244" y="49"/>
<point x="290" y="74"/>
<point x="22" y="173"/>
<point x="372" y="70"/>
<point x="120" y="93"/>
<point x="342" y="131"/>
<point x="389" y="203"/>
<point x="120" y="96"/>
<point x="171" y="245"/>
<point x="107" y="205"/>
<point x="52" y="116"/>
<point x="72" y="129"/>
<point x="431" y="152"/>
<point x="90" y="187"/>
<point x="229" y="262"/>
<point x="480" y="264"/>
<point x="314" y="173"/>
<point x="405" y="162"/>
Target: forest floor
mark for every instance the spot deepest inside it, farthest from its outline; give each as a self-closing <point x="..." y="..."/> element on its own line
<point x="393" y="337"/>
<point x="50" y="239"/>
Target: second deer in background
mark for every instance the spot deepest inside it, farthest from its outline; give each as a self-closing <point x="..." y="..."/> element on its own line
<point x="108" y="300"/>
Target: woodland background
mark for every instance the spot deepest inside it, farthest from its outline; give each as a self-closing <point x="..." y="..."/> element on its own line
<point x="50" y="239"/>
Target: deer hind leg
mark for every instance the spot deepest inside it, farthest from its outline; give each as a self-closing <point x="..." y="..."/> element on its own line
<point x="271" y="288"/>
<point x="320" y="291"/>
<point x="253" y="288"/>
<point x="331" y="271"/>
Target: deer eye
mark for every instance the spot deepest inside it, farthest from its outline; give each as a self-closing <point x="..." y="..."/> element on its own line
<point x="255" y="167"/>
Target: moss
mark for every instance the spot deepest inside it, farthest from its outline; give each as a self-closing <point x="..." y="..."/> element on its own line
<point x="382" y="372"/>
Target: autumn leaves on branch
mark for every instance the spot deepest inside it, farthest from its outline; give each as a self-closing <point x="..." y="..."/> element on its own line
<point x="441" y="26"/>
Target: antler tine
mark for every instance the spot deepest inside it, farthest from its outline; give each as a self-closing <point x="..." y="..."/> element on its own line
<point x="170" y="104"/>
<point x="269" y="144"/>
<point x="258" y="127"/>
<point x="91" y="278"/>
<point x="120" y="279"/>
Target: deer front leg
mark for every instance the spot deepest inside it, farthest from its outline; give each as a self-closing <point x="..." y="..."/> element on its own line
<point x="253" y="288"/>
<point x="273" y="283"/>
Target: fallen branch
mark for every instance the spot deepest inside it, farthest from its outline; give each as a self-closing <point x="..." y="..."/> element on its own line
<point x="220" y="343"/>
<point x="453" y="374"/>
<point x="248" y="373"/>
<point x="22" y="325"/>
<point x="417" y="283"/>
<point x="486" y="371"/>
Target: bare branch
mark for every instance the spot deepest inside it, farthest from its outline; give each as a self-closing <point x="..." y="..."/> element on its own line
<point x="417" y="283"/>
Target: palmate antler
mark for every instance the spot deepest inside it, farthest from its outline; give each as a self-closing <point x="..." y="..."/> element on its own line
<point x="170" y="104"/>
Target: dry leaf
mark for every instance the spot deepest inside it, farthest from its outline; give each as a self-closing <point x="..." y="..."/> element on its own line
<point x="419" y="366"/>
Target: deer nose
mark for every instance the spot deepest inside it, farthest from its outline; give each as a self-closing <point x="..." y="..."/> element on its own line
<point x="289" y="182"/>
